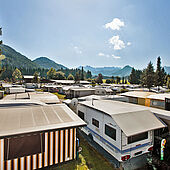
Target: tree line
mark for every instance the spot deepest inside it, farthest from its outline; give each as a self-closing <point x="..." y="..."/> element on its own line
<point x="150" y="77"/>
<point x="13" y="74"/>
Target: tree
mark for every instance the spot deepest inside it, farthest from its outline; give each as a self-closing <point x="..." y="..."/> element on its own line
<point x="113" y="79"/>
<point x="36" y="78"/>
<point x="16" y="75"/>
<point x="99" y="79"/>
<point x="51" y="73"/>
<point x="77" y="78"/>
<point x="135" y="76"/>
<point x="160" y="74"/>
<point x="82" y="73"/>
<point x="168" y="82"/>
<point x="108" y="81"/>
<point x="117" y="79"/>
<point x="70" y="77"/>
<point x="148" y="76"/>
<point x="123" y="80"/>
<point x="60" y="76"/>
<point x="132" y="77"/>
<point x="88" y="75"/>
<point x="2" y="57"/>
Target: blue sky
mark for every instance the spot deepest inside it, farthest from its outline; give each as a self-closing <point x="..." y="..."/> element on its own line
<point x="89" y="32"/>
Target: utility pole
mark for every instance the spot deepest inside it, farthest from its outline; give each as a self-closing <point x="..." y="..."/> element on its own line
<point x="0" y="42"/>
<point x="0" y="35"/>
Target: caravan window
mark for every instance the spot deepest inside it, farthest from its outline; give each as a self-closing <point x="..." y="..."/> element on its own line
<point x="81" y="115"/>
<point x="111" y="132"/>
<point x="138" y="137"/>
<point x="95" y="122"/>
<point x="20" y="146"/>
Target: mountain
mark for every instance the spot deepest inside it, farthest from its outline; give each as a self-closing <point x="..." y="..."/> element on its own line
<point x="16" y="59"/>
<point x="106" y="71"/>
<point x="47" y="63"/>
<point x="167" y="69"/>
<point x="125" y="71"/>
<point x="109" y="71"/>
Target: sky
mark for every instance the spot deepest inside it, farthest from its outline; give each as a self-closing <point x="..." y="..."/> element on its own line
<point x="98" y="33"/>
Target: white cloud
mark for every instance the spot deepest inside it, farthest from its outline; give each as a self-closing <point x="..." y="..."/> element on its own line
<point x="116" y="57"/>
<point x="104" y="55"/>
<point x="129" y="43"/>
<point x="116" y="24"/>
<point x="101" y="54"/>
<point x="117" y="43"/>
<point x="77" y="50"/>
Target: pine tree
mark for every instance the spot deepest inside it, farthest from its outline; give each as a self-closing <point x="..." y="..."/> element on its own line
<point x="148" y="76"/>
<point x="123" y="80"/>
<point x="135" y="76"/>
<point x="82" y="73"/>
<point x="117" y="79"/>
<point x="88" y="75"/>
<point x="158" y="74"/>
<point x="132" y="77"/>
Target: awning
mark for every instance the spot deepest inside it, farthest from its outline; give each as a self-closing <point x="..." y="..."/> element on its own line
<point x="133" y="123"/>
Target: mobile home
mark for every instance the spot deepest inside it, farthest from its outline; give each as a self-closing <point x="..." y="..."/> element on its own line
<point x="37" y="137"/>
<point x="124" y="130"/>
<point x="138" y="97"/>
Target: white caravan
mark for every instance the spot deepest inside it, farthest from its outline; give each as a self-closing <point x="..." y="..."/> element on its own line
<point x="124" y="130"/>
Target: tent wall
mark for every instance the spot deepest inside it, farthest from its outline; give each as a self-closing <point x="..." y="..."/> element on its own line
<point x="60" y="146"/>
<point x="141" y="101"/>
<point x="147" y="102"/>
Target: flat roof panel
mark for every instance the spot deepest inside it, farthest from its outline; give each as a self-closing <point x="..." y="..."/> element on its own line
<point x="9" y="120"/>
<point x="62" y="114"/>
<point x="51" y="115"/>
<point x="39" y="117"/>
<point x="26" y="118"/>
<point x="20" y="120"/>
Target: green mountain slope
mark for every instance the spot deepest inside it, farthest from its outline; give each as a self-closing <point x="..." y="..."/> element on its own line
<point x="16" y="59"/>
<point x="47" y="63"/>
<point x="125" y="71"/>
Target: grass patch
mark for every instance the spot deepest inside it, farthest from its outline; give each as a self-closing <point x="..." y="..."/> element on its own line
<point x="89" y="158"/>
<point x="60" y="96"/>
<point x="94" y="160"/>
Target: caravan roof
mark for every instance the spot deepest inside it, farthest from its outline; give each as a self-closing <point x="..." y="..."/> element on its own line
<point x="132" y="119"/>
<point x="138" y="94"/>
<point x="21" y="120"/>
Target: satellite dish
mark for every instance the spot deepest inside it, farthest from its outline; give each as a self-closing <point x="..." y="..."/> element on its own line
<point x="74" y="103"/>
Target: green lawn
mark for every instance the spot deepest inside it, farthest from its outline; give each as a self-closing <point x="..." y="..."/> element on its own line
<point x="60" y="96"/>
<point x="89" y="159"/>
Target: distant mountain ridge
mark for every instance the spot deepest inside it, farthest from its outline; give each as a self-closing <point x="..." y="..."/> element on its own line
<point x="47" y="63"/>
<point x="109" y="71"/>
<point x="16" y="59"/>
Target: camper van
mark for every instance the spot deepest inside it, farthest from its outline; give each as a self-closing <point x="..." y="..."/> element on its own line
<point x="124" y="130"/>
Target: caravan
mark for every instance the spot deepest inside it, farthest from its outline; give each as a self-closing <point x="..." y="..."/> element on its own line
<point x="124" y="130"/>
